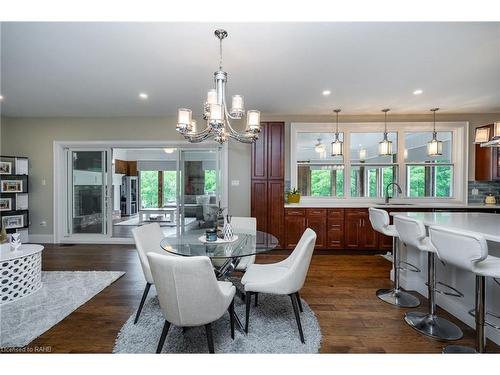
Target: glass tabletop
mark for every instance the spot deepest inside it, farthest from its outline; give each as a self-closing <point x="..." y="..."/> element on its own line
<point x="189" y="244"/>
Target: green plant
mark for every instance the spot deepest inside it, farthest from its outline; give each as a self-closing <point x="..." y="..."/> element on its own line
<point x="293" y="191"/>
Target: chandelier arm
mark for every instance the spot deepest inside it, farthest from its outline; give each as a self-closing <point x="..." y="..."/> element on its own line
<point x="198" y="138"/>
<point x="232" y="131"/>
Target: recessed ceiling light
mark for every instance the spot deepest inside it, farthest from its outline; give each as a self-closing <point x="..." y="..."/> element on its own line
<point x="1" y="98"/>
<point x="418" y="92"/>
<point x="326" y="92"/>
<point x="143" y="95"/>
<point x="169" y="150"/>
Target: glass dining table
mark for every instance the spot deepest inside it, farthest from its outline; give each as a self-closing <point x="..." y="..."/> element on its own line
<point x="225" y="256"/>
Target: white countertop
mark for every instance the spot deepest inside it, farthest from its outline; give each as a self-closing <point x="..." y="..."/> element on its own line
<point x="487" y="225"/>
<point x="351" y="204"/>
<point x="24" y="250"/>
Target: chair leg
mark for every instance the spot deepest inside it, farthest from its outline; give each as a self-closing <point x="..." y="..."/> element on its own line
<point x="297" y="316"/>
<point x="231" y="317"/>
<point x="143" y="299"/>
<point x="256" y="299"/>
<point x="210" y="338"/>
<point x="163" y="336"/>
<point x="299" y="302"/>
<point x="248" y="301"/>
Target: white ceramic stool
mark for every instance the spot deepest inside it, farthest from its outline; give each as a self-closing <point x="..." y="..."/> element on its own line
<point x="469" y="251"/>
<point x="412" y="232"/>
<point x="395" y="296"/>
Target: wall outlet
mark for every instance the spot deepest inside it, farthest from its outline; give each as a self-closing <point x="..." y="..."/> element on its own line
<point x="235" y="182"/>
<point x="475" y="191"/>
<point x="44" y="182"/>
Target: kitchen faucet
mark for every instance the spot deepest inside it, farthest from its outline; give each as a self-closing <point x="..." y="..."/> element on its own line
<point x="387" y="191"/>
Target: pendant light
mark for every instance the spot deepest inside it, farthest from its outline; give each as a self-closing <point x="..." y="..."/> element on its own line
<point x="319" y="147"/>
<point x="434" y="147"/>
<point x="385" y="146"/>
<point x="337" y="144"/>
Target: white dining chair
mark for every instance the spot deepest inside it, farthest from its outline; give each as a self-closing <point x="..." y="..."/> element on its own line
<point x="190" y="295"/>
<point x="247" y="225"/>
<point x="147" y="239"/>
<point x="283" y="278"/>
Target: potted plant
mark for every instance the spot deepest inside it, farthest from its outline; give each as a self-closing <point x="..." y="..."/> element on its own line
<point x="293" y="196"/>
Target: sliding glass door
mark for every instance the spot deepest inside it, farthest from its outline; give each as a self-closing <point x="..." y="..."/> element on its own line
<point x="87" y="192"/>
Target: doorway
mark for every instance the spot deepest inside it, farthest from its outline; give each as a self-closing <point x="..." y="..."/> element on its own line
<point x="108" y="191"/>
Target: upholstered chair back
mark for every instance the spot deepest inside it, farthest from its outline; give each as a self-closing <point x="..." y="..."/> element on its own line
<point x="147" y="239"/>
<point x="188" y="291"/>
<point x="379" y="220"/>
<point x="460" y="248"/>
<point x="412" y="232"/>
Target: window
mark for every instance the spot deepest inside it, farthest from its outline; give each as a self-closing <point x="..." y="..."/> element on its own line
<point x="362" y="173"/>
<point x="318" y="173"/>
<point x="169" y="187"/>
<point x="428" y="176"/>
<point x="149" y="189"/>
<point x="371" y="173"/>
<point x="210" y="181"/>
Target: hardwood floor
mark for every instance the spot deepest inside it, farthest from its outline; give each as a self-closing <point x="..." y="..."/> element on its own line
<point x="339" y="288"/>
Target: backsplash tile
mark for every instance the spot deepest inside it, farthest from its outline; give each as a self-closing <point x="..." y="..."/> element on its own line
<point x="485" y="188"/>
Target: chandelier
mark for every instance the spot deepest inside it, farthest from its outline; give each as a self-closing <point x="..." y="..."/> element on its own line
<point x="218" y="118"/>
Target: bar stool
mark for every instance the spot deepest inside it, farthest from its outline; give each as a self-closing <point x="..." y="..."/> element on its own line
<point x="412" y="232"/>
<point x="469" y="251"/>
<point x="395" y="296"/>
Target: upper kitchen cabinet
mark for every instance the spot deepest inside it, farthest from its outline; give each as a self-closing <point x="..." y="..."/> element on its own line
<point x="268" y="153"/>
<point x="487" y="161"/>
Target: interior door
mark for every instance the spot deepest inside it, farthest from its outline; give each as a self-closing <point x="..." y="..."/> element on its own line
<point x="88" y="193"/>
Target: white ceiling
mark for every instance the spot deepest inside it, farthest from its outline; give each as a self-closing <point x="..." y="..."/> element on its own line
<point x="98" y="69"/>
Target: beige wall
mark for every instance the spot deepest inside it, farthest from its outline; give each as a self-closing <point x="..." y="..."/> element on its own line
<point x="33" y="137"/>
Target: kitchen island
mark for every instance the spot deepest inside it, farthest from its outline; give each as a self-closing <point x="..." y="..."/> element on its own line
<point x="485" y="224"/>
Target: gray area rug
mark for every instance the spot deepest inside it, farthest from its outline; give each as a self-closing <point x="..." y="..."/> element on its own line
<point x="273" y="329"/>
<point x="62" y="293"/>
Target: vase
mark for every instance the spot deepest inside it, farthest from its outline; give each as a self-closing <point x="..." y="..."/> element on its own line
<point x="228" y="232"/>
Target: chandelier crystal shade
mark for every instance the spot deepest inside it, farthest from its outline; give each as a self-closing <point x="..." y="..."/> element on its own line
<point x="215" y="112"/>
<point x="337" y="144"/>
<point x="385" y="146"/>
<point x="434" y="146"/>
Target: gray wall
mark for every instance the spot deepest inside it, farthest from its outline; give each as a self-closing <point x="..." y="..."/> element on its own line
<point x="33" y="137"/>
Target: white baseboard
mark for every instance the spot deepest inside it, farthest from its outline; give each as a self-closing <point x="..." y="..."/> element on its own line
<point x="41" y="238"/>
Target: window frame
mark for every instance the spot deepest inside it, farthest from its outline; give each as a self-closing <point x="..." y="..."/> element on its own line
<point x="459" y="155"/>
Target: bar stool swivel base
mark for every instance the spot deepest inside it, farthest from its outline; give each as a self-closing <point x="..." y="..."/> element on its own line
<point x="459" y="349"/>
<point x="398" y="297"/>
<point x="433" y="326"/>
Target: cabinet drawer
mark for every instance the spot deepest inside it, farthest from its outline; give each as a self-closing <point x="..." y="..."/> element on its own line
<point x="336" y="214"/>
<point x="316" y="212"/>
<point x="295" y="212"/>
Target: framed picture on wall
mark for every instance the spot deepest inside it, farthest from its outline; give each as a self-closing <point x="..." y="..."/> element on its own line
<point x="5" y="167"/>
<point x="5" y="204"/>
<point x="12" y="186"/>
<point x="14" y="221"/>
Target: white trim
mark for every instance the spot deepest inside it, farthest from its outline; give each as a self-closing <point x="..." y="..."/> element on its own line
<point x="58" y="178"/>
<point x="41" y="238"/>
<point x="460" y="152"/>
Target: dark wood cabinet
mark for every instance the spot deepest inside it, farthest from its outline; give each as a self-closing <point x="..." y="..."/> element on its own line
<point x="267" y="180"/>
<point x="335" y="228"/>
<point x="316" y="220"/>
<point x="487" y="161"/>
<point x="276" y="203"/>
<point x="295" y="225"/>
<point x="359" y="233"/>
